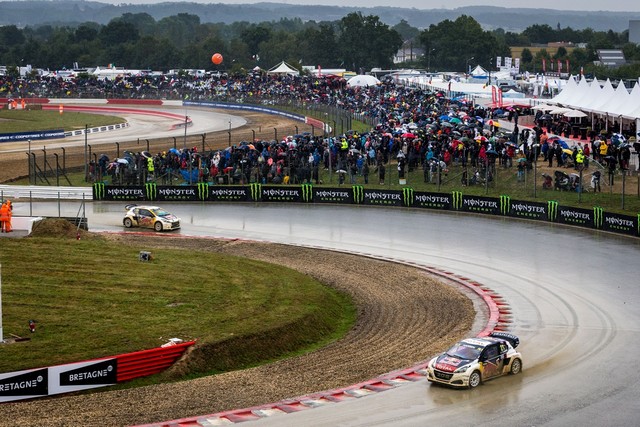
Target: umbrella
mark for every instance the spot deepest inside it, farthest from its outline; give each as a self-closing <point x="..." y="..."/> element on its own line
<point x="455" y="120"/>
<point x="546" y="117"/>
<point x="567" y="151"/>
<point x="445" y="117"/>
<point x="174" y="151"/>
<point x="446" y="125"/>
<point x="408" y="135"/>
<point x="494" y="123"/>
<point x="575" y="113"/>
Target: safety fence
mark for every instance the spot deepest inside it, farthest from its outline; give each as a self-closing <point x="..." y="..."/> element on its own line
<point x="103" y="372"/>
<point x="456" y="201"/>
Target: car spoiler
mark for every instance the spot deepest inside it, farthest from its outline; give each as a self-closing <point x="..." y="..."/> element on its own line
<point x="127" y="207"/>
<point x="513" y="340"/>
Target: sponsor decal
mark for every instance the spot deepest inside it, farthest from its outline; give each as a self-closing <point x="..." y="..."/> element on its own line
<point x="530" y="210"/>
<point x="480" y="205"/>
<point x="575" y="216"/>
<point x="456" y="200"/>
<point x="505" y="205"/>
<point x="598" y="217"/>
<point x="151" y="190"/>
<point x="446" y="368"/>
<point x="307" y="193"/>
<point x="278" y="194"/>
<point x="407" y="196"/>
<point x="358" y="194"/>
<point x="177" y="193"/>
<point x="30" y="383"/>
<point x="228" y="193"/>
<point x="432" y="200"/>
<point x="101" y="373"/>
<point x="552" y="210"/>
<point x="203" y="191"/>
<point x="98" y="191"/>
<point x="619" y="223"/>
<point x="383" y="198"/>
<point x="124" y="193"/>
<point x="256" y="191"/>
<point x="332" y="195"/>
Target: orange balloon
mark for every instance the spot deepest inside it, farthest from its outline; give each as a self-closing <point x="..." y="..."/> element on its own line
<point x="216" y="59"/>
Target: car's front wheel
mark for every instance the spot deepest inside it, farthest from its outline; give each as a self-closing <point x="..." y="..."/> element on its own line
<point x="516" y="366"/>
<point x="474" y="379"/>
<point x="128" y="223"/>
<point x="157" y="226"/>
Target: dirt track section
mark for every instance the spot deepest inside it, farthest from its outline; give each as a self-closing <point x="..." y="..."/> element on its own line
<point x="404" y="317"/>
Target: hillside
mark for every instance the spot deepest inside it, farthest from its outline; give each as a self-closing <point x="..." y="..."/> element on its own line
<point x="72" y="12"/>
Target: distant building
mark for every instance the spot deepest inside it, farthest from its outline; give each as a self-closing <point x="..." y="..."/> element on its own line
<point x="408" y="53"/>
<point x="611" y="57"/>
<point x="634" y="31"/>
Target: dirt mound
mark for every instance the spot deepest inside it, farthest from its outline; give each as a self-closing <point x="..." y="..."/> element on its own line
<point x="59" y="227"/>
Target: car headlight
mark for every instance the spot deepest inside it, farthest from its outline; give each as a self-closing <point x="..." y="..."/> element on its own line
<point x="461" y="369"/>
<point x="431" y="363"/>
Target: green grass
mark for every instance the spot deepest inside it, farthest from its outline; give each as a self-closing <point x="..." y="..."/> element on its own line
<point x="92" y="298"/>
<point x="29" y="120"/>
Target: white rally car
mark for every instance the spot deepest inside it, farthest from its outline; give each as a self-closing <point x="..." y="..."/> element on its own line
<point x="473" y="360"/>
<point x="150" y="217"/>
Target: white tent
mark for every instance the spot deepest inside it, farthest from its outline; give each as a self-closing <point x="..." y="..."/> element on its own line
<point x="363" y="80"/>
<point x="479" y="72"/>
<point x="284" y="68"/>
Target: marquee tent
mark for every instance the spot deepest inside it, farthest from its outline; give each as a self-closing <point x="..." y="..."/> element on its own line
<point x="284" y="68"/>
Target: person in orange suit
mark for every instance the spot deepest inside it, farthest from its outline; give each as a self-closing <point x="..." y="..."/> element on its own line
<point x="7" y="226"/>
<point x="4" y="217"/>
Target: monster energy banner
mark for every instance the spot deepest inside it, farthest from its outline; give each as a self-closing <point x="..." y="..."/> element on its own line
<point x="382" y="197"/>
<point x="116" y="192"/>
<point x="229" y="194"/>
<point x="432" y="200"/>
<point x="527" y="210"/>
<point x="616" y="223"/>
<point x="24" y="385"/>
<point x="333" y="195"/>
<point x="281" y="194"/>
<point x="484" y="205"/>
<point x="183" y="193"/>
<point x="575" y="216"/>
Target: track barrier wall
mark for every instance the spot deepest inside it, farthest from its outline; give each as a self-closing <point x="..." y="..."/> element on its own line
<point x="103" y="372"/>
<point x="549" y="211"/>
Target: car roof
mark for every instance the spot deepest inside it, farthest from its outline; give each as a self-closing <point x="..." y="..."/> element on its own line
<point x="144" y="207"/>
<point x="481" y="341"/>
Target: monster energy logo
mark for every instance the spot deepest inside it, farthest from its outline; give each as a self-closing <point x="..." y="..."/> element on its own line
<point x="598" y="217"/>
<point x="552" y="210"/>
<point x="358" y="194"/>
<point x="98" y="191"/>
<point x="203" y="191"/>
<point x="456" y="200"/>
<point x="505" y="205"/>
<point x="307" y="193"/>
<point x="407" y="196"/>
<point x="256" y="191"/>
<point x="151" y="190"/>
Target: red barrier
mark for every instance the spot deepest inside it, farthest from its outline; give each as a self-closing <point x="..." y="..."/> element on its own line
<point x="135" y="101"/>
<point x="27" y="100"/>
<point x="149" y="362"/>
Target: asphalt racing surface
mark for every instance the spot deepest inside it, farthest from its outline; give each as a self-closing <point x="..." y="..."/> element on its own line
<point x="574" y="295"/>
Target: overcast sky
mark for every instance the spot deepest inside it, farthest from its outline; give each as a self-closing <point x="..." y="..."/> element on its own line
<point x="587" y="5"/>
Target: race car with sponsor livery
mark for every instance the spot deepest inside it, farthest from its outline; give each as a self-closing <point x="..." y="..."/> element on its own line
<point x="472" y="361"/>
<point x="150" y="217"/>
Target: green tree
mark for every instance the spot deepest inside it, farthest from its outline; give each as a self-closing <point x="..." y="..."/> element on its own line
<point x="118" y="32"/>
<point x="406" y="31"/>
<point x="365" y="42"/>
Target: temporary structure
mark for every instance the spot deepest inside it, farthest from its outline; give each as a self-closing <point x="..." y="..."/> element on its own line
<point x="363" y="80"/>
<point x="284" y="68"/>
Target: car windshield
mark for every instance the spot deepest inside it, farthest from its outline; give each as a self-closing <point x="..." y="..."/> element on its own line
<point x="160" y="212"/>
<point x="463" y="350"/>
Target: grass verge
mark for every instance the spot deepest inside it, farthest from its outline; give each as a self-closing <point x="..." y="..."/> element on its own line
<point x="92" y="298"/>
<point x="30" y="120"/>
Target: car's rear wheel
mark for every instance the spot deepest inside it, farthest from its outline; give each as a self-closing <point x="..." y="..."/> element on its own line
<point x="128" y="223"/>
<point x="516" y="366"/>
<point x="157" y="226"/>
<point x="474" y="379"/>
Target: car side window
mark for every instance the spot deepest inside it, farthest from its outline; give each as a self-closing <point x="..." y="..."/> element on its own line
<point x="144" y="212"/>
<point x="491" y="352"/>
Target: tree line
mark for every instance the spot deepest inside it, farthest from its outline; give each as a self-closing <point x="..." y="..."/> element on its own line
<point x="355" y="42"/>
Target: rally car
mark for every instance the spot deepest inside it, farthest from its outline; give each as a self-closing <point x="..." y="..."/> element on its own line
<point x="150" y="217"/>
<point x="473" y="360"/>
